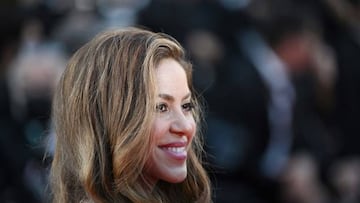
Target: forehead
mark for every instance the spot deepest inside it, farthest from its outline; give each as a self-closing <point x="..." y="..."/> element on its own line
<point x="169" y="66"/>
<point x="171" y="76"/>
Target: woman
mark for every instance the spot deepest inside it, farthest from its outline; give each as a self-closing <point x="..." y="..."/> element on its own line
<point x="127" y="119"/>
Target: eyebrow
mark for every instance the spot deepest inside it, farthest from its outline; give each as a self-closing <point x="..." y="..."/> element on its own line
<point x="171" y="98"/>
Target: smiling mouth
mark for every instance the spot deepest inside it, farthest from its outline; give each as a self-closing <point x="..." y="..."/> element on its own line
<point x="176" y="153"/>
<point x="176" y="150"/>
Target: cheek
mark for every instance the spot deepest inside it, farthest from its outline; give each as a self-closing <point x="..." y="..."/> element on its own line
<point x="193" y="129"/>
<point x="159" y="129"/>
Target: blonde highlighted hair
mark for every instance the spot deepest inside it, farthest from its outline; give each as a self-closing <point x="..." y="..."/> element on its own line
<point x="103" y="110"/>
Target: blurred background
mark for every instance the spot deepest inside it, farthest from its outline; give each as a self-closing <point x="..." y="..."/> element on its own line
<point x="280" y="80"/>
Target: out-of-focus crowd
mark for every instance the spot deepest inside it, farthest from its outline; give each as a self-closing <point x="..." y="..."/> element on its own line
<point x="280" y="81"/>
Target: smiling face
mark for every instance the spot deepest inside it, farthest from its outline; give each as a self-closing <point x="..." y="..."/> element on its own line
<point x="174" y="125"/>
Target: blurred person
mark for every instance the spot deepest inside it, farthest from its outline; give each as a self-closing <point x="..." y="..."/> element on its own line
<point x="207" y="51"/>
<point x="273" y="108"/>
<point x="120" y="13"/>
<point x="343" y="34"/>
<point x="33" y="73"/>
<point x="344" y="177"/>
<point x="13" y="154"/>
<point x="301" y="182"/>
<point x="127" y="123"/>
<point x="180" y="18"/>
<point x="310" y="65"/>
<point x="80" y="24"/>
<point x="30" y="79"/>
<point x="85" y="19"/>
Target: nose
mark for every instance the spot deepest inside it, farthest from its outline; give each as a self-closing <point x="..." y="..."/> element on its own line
<point x="183" y="124"/>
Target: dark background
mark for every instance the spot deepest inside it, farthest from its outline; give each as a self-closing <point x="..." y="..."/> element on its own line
<point x="237" y="47"/>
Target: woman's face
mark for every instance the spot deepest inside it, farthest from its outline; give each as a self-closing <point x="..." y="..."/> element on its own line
<point x="174" y="126"/>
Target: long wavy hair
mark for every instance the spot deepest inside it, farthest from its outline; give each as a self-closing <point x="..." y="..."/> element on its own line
<point x="103" y="110"/>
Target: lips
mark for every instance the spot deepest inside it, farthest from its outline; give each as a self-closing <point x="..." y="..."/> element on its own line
<point x="175" y="150"/>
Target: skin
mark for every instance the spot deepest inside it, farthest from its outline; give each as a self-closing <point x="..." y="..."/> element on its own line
<point x="174" y="126"/>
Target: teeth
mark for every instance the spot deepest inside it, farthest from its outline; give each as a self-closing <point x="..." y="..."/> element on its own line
<point x="176" y="149"/>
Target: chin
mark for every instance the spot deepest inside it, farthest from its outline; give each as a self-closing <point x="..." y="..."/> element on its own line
<point x="176" y="179"/>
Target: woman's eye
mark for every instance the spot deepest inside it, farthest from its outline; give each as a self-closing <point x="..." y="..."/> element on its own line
<point x="188" y="106"/>
<point x="161" y="108"/>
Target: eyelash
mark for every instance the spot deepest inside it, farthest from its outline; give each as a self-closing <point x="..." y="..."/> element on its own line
<point x="188" y="106"/>
<point x="164" y="107"/>
<point x="160" y="108"/>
